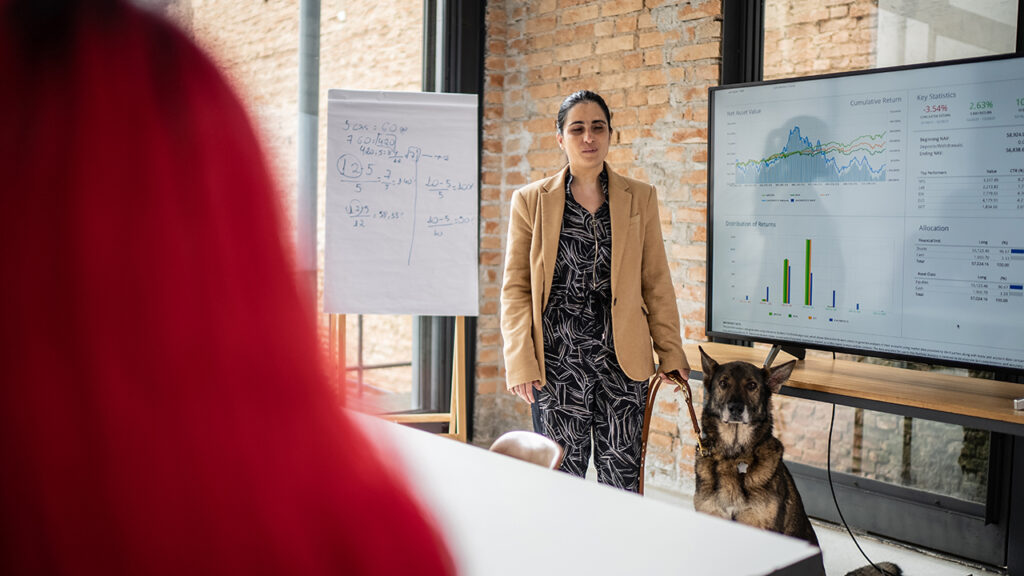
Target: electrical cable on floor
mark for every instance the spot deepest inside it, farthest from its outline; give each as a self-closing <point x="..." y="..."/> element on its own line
<point x="828" y="469"/>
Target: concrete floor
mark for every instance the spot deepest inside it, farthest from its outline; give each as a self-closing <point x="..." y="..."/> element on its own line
<point x="841" y="554"/>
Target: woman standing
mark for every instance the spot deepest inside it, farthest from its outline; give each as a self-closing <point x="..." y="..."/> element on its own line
<point x="586" y="291"/>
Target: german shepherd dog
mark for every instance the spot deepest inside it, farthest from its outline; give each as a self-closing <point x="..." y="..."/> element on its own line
<point x="741" y="476"/>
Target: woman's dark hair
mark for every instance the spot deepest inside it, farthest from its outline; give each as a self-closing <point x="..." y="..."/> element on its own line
<point x="574" y="99"/>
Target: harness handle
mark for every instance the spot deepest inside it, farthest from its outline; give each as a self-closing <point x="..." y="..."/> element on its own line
<point x="652" y="392"/>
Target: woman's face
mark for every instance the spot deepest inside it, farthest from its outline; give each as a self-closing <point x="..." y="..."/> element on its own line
<point x="585" y="136"/>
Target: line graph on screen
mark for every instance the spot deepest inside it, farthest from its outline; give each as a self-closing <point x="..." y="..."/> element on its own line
<point x="803" y="161"/>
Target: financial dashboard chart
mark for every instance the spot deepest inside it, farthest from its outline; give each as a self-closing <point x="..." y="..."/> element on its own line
<point x="969" y="144"/>
<point x="803" y="161"/>
<point x="877" y="212"/>
<point x="802" y="154"/>
<point x="828" y="279"/>
<point x="972" y="265"/>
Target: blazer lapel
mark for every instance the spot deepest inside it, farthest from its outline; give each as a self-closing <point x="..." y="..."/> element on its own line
<point x="552" y="205"/>
<point x="619" y="201"/>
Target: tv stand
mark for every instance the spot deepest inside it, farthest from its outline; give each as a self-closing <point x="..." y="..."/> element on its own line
<point x="972" y="402"/>
<point x="798" y="353"/>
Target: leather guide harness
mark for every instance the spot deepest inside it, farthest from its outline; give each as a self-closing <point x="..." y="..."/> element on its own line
<point x="684" y="387"/>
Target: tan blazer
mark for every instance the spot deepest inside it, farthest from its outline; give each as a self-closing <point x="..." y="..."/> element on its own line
<point x="643" y="299"/>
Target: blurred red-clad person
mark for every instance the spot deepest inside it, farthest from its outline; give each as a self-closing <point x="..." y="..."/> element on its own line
<point x="162" y="403"/>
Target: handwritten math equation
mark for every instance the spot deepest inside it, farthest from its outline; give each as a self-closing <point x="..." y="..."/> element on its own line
<point x="397" y="186"/>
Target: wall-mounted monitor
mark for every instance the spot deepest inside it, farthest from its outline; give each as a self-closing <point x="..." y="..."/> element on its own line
<point x="878" y="212"/>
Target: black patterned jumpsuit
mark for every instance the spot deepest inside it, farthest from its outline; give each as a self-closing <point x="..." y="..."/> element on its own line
<point x="586" y="389"/>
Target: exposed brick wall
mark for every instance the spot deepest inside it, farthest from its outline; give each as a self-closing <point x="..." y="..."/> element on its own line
<point x="364" y="44"/>
<point x="653" y="62"/>
<point x="256" y="45"/>
<point x="804" y="37"/>
<point x="370" y="45"/>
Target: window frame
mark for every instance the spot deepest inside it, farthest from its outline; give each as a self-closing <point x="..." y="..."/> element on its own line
<point x="875" y="507"/>
<point x="453" y="59"/>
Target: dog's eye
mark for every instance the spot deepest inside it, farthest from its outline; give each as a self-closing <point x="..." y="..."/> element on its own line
<point x="751" y="385"/>
<point x="723" y="384"/>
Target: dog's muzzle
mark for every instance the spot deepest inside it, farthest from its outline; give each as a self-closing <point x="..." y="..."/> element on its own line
<point x="736" y="413"/>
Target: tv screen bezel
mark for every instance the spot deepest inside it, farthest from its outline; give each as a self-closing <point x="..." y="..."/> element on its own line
<point x="711" y="333"/>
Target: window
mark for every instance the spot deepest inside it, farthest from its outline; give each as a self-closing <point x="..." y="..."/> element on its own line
<point x="374" y="45"/>
<point x="402" y="363"/>
<point x="394" y="363"/>
<point x="802" y="37"/>
<point x="924" y="470"/>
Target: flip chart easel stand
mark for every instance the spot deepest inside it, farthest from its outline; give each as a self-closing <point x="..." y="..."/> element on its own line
<point x="336" y="353"/>
<point x="403" y="203"/>
<point x="456" y="415"/>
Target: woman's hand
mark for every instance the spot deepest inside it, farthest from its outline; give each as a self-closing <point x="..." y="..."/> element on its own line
<point x="683" y="376"/>
<point x="525" y="390"/>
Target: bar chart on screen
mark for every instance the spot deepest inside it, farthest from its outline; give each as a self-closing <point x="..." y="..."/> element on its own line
<point x="822" y="279"/>
<point x="877" y="211"/>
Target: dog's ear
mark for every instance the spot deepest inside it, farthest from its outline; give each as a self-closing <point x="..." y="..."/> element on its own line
<point x="778" y="375"/>
<point x="707" y="365"/>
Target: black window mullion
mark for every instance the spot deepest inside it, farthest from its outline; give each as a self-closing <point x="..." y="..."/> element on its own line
<point x="459" y="66"/>
<point x="742" y="41"/>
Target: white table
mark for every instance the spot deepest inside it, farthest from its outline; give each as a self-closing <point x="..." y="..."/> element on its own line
<point x="502" y="516"/>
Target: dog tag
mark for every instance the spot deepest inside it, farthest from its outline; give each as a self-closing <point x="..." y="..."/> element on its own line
<point x="742" y="467"/>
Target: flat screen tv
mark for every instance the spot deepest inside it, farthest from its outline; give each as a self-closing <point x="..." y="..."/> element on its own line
<point x="877" y="213"/>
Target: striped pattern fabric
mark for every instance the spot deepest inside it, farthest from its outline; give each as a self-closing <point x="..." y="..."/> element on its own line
<point x="587" y="394"/>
